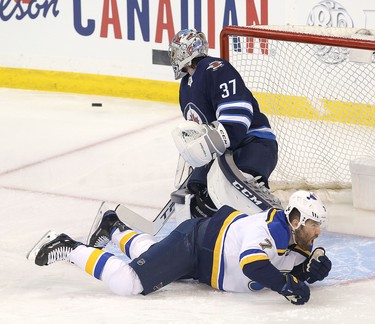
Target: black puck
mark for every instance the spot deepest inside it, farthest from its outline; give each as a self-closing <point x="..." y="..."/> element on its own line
<point x="96" y="104"/>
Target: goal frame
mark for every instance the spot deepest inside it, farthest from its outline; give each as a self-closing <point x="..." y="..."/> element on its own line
<point x="288" y="36"/>
<point x="257" y="37"/>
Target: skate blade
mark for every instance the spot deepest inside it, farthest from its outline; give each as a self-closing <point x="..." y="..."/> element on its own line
<point x="48" y="237"/>
<point x="99" y="215"/>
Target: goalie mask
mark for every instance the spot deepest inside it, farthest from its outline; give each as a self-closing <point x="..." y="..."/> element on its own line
<point x="185" y="46"/>
<point x="310" y="207"/>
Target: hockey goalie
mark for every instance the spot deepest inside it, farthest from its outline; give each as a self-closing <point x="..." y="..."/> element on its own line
<point x="222" y="116"/>
<point x="226" y="139"/>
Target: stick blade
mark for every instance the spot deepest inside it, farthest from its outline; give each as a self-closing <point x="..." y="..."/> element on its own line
<point x="135" y="220"/>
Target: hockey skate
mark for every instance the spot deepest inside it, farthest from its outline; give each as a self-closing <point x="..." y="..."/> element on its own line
<point x="52" y="248"/>
<point x="105" y="223"/>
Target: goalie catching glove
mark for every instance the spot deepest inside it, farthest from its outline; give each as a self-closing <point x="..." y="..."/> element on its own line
<point x="198" y="144"/>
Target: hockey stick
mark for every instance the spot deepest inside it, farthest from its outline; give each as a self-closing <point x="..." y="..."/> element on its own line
<point x="134" y="220"/>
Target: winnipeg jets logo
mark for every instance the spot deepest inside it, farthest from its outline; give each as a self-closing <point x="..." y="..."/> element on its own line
<point x="215" y="65"/>
<point x="194" y="117"/>
<point x="192" y="112"/>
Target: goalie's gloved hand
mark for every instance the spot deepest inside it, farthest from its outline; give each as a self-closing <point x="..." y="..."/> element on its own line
<point x="294" y="290"/>
<point x="201" y="204"/>
<point x="199" y="144"/>
<point x="317" y="266"/>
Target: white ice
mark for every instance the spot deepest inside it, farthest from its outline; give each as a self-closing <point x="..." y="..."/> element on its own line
<point x="60" y="158"/>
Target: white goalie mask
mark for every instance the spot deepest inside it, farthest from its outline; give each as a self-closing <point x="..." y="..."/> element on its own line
<point x="310" y="207"/>
<point x="185" y="46"/>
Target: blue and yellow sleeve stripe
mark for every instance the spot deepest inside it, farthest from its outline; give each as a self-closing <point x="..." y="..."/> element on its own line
<point x="96" y="262"/>
<point x="253" y="255"/>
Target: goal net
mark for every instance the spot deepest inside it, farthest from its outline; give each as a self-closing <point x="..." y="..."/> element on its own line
<point x="317" y="86"/>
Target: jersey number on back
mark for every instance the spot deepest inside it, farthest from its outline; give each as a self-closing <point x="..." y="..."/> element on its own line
<point x="266" y="245"/>
<point x="227" y="87"/>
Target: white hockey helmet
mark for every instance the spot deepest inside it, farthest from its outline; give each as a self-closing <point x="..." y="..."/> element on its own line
<point x="309" y="205"/>
<point x="185" y="46"/>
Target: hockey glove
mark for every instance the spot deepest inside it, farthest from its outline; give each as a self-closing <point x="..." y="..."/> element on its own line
<point x="199" y="144"/>
<point x="294" y="290"/>
<point x="317" y="266"/>
<point x="201" y="205"/>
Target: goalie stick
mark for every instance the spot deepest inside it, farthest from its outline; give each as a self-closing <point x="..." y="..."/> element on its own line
<point x="134" y="220"/>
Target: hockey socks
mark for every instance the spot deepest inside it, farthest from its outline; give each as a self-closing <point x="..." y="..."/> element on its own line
<point x="90" y="259"/>
<point x="132" y="243"/>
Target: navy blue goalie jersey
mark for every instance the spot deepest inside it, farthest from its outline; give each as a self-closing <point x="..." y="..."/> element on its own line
<point x="216" y="91"/>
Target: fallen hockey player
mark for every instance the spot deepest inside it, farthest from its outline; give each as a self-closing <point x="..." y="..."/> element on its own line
<point x="230" y="251"/>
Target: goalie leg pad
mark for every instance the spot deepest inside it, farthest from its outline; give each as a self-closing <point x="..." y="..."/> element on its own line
<point x="228" y="186"/>
<point x="183" y="171"/>
<point x="182" y="199"/>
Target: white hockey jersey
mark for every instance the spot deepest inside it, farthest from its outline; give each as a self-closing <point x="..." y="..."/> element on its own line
<point x="234" y="240"/>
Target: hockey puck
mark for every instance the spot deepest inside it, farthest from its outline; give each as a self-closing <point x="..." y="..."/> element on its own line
<point x="96" y="104"/>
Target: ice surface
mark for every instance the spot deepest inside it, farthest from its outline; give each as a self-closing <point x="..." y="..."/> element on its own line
<point x="60" y="158"/>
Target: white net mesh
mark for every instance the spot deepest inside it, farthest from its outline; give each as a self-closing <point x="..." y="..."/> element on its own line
<point x="321" y="104"/>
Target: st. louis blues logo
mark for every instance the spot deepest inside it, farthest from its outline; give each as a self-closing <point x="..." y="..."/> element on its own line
<point x="215" y="65"/>
<point x="312" y="196"/>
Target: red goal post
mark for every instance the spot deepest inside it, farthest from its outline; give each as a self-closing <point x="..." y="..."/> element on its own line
<point x="293" y="35"/>
<point x="317" y="86"/>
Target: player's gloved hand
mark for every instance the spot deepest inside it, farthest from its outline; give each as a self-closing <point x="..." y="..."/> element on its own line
<point x="198" y="144"/>
<point x="317" y="266"/>
<point x="294" y="290"/>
